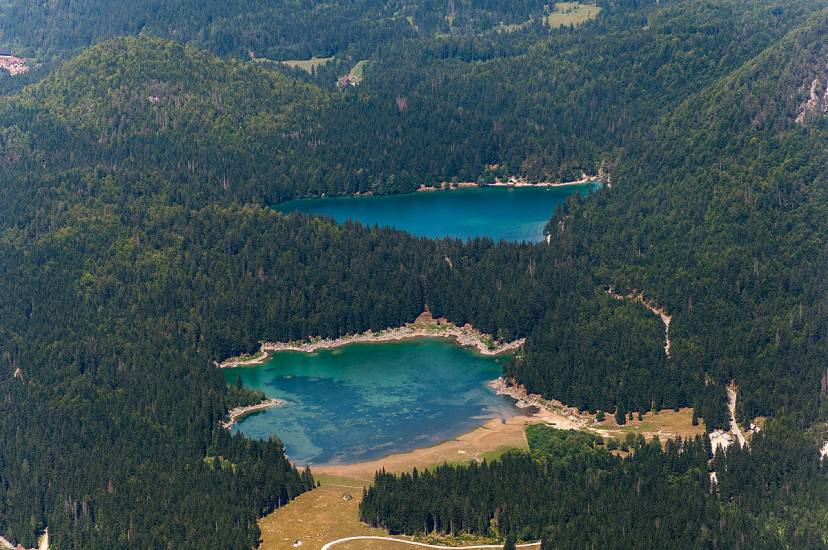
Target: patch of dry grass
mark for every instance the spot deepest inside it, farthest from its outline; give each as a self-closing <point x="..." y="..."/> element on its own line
<point x="571" y="13"/>
<point x="665" y="424"/>
<point x="315" y="518"/>
<point x="322" y="516"/>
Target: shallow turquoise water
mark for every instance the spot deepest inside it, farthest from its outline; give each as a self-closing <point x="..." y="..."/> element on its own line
<point x="512" y="214"/>
<point x="365" y="401"/>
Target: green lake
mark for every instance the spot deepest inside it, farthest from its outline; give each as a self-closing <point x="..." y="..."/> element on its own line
<point x="502" y="213"/>
<point x="365" y="401"/>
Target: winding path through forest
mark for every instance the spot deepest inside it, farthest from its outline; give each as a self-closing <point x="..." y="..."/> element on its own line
<point x="658" y="310"/>
<point x="333" y="543"/>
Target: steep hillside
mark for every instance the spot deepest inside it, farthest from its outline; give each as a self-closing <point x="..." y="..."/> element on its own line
<point x="137" y="247"/>
<point x="261" y="28"/>
<point x="144" y="105"/>
<point x="721" y="220"/>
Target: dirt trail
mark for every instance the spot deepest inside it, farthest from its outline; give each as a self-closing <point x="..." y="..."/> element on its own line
<point x="658" y="310"/>
<point x="724" y="439"/>
<point x="731" y="405"/>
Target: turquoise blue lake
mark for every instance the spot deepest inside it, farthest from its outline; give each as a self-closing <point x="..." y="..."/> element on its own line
<point x="502" y="213"/>
<point x="365" y="401"/>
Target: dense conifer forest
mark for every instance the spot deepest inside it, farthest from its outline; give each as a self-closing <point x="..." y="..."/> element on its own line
<point x="137" y="247"/>
<point x="573" y="493"/>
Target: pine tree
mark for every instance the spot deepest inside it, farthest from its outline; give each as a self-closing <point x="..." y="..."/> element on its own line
<point x="620" y="417"/>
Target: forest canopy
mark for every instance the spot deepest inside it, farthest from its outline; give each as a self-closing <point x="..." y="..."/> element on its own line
<point x="139" y="247"/>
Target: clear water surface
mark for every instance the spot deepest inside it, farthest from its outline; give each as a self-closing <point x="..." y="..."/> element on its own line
<point x="512" y="214"/>
<point x="365" y="401"/>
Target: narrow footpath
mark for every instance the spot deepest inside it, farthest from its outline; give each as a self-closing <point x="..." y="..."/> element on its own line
<point x="658" y="310"/>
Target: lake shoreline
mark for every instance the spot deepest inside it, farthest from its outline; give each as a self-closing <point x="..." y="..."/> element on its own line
<point x="511" y="182"/>
<point x="237" y="413"/>
<point x="498" y="434"/>
<point x="423" y="327"/>
<point x="492" y="435"/>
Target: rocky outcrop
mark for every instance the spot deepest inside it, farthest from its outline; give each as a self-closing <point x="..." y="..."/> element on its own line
<point x="816" y="105"/>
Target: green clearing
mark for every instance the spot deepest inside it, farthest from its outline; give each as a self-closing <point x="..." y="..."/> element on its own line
<point x="410" y="19"/>
<point x="357" y="72"/>
<point x="307" y="65"/>
<point x="571" y="13"/>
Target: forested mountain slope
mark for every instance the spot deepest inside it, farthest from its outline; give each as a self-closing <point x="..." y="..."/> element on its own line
<point x="544" y="107"/>
<point x="295" y="29"/>
<point x="145" y="105"/>
<point x="137" y="248"/>
<point x="540" y="104"/>
<point x="731" y="238"/>
<point x="659" y="497"/>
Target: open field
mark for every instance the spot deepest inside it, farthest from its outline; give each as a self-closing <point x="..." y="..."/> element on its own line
<point x="571" y="13"/>
<point x="315" y="518"/>
<point x="322" y="516"/>
<point x="306" y="64"/>
<point x="665" y="424"/>
<point x="388" y="545"/>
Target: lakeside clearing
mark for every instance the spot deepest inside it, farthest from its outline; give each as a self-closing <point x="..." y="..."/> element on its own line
<point x="485" y="442"/>
<point x="425" y="326"/>
<point x="323" y="516"/>
<point x="496" y="436"/>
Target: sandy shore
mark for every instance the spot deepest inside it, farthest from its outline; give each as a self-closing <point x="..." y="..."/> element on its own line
<point x="466" y="336"/>
<point x="496" y="434"/>
<point x="240" y="412"/>
<point x="472" y="446"/>
<point x="511" y="182"/>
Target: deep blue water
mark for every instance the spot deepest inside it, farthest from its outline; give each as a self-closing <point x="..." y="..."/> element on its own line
<point x="512" y="214"/>
<point x="365" y="401"/>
